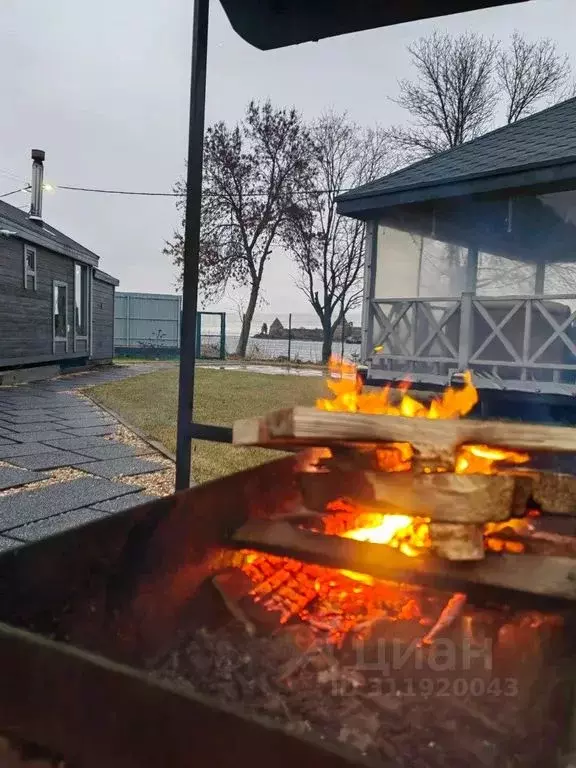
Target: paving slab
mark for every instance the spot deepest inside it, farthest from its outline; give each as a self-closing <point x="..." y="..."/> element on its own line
<point x="70" y="413"/>
<point x="49" y="460"/>
<point x="29" y="506"/>
<point x="26" y="404"/>
<point x="110" y="451"/>
<point x="59" y="402"/>
<point x="56" y="524"/>
<point x="82" y="423"/>
<point x="10" y="477"/>
<point x="117" y="467"/>
<point x="78" y="443"/>
<point x="36" y="437"/>
<point x="21" y="449"/>
<point x="36" y="426"/>
<point x="124" y="502"/>
<point x="91" y="431"/>
<point x="11" y="417"/>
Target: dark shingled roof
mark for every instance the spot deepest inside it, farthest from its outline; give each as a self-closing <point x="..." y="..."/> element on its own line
<point x="543" y="139"/>
<point x="18" y="217"/>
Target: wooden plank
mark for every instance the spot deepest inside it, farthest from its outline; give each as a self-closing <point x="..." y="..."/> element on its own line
<point x="442" y="496"/>
<point x="97" y="714"/>
<point x="555" y="493"/>
<point x="457" y="541"/>
<point x="546" y="576"/>
<point x="538" y="542"/>
<point x="302" y="426"/>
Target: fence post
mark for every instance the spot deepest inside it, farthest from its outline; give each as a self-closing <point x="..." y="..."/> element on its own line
<point x="222" y="335"/>
<point x="465" y="338"/>
<point x="289" y="335"/>
<point x="198" y="335"/>
<point x="128" y="335"/>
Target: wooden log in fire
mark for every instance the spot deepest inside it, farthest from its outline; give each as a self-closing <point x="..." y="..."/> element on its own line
<point x="555" y="493"/>
<point x="300" y="427"/>
<point x="457" y="541"/>
<point x="535" y="574"/>
<point x="537" y="542"/>
<point x="441" y="497"/>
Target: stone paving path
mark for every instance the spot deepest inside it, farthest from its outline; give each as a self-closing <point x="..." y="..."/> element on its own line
<point x="63" y="460"/>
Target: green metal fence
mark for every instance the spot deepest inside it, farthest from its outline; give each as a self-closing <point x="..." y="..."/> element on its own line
<point x="211" y="335"/>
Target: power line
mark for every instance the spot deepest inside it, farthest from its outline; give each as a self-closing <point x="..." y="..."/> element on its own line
<point x="121" y="191"/>
<point x="14" y="192"/>
<point x="180" y="194"/>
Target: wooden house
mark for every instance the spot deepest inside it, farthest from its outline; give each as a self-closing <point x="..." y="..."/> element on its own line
<point x="56" y="306"/>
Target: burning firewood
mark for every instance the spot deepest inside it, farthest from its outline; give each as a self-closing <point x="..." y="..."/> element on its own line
<point x="533" y="542"/>
<point x="553" y="576"/>
<point x="441" y="497"/>
<point x="302" y="427"/>
<point x="457" y="541"/>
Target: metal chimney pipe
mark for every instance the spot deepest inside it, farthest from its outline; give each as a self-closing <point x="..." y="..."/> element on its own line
<point x="38" y="156"/>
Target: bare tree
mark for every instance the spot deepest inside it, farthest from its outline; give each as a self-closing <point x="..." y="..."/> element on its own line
<point x="462" y="81"/>
<point x="253" y="174"/>
<point x="528" y="72"/>
<point x="329" y="249"/>
<point x="453" y="98"/>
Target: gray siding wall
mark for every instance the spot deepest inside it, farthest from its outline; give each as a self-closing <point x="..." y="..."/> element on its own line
<point x="103" y="320"/>
<point x="26" y="314"/>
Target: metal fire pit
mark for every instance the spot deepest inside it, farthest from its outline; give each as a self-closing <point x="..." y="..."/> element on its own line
<point x="85" y="611"/>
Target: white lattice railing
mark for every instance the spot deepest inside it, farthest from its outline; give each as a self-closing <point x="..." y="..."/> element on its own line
<point x="516" y="337"/>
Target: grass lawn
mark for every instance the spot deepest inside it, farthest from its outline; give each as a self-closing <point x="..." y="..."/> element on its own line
<point x="149" y="402"/>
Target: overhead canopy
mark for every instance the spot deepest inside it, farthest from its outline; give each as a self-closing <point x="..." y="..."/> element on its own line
<point x="269" y="24"/>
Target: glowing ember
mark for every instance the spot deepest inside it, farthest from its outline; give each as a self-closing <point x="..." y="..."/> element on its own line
<point x="349" y="395"/>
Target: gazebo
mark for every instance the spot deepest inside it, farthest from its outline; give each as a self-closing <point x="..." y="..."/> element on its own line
<point x="471" y="261"/>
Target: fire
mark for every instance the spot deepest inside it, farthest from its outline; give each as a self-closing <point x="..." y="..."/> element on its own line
<point x="409" y="534"/>
<point x="349" y="396"/>
<point x="481" y="459"/>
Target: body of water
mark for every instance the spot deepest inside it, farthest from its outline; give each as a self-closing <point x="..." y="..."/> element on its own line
<point x="275" y="349"/>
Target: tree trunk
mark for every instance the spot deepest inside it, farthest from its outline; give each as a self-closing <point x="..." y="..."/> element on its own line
<point x="247" y="321"/>
<point x="328" y="336"/>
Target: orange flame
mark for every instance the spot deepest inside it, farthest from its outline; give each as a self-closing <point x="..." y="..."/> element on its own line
<point x="480" y="459"/>
<point x="349" y="396"/>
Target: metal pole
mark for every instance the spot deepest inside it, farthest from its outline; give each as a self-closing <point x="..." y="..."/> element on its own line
<point x="192" y="243"/>
<point x="289" y="335"/>
<point x="343" y="331"/>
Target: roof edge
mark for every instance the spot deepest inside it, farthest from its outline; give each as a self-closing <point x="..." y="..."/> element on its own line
<point x="507" y="180"/>
<point x="42" y="240"/>
<point x="104" y="277"/>
<point x="495" y="172"/>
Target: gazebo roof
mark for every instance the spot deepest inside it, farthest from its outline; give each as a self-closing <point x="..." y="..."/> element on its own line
<point x="538" y="150"/>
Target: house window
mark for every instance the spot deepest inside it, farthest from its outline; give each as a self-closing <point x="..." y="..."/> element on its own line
<point x="29" y="267"/>
<point x="60" y="311"/>
<point x="81" y="299"/>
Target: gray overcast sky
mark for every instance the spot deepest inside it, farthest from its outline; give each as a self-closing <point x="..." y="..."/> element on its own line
<point x="103" y="88"/>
